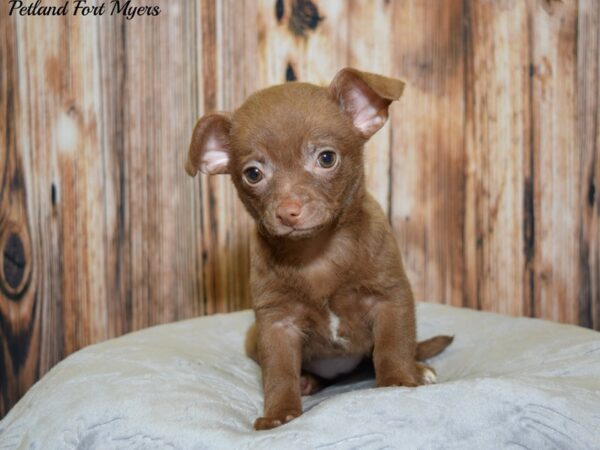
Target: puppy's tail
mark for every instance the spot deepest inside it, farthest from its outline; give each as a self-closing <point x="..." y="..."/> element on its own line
<point x="433" y="346"/>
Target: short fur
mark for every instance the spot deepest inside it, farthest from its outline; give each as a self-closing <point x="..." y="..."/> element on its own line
<point x="327" y="278"/>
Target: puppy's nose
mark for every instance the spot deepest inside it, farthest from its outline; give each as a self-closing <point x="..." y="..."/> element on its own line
<point x="288" y="212"/>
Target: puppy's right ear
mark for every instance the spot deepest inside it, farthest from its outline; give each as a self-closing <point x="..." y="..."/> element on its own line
<point x="365" y="97"/>
<point x="210" y="146"/>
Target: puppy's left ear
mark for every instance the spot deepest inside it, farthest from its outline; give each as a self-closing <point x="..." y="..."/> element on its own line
<point x="210" y="145"/>
<point x="365" y="97"/>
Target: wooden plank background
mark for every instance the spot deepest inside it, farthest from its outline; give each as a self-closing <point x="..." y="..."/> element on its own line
<point x="489" y="167"/>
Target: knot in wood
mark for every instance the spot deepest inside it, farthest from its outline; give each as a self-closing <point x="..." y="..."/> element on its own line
<point x="13" y="261"/>
<point x="305" y="16"/>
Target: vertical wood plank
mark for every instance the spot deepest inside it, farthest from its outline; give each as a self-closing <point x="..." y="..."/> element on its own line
<point x="209" y="102"/>
<point x="113" y="80"/>
<point x="427" y="192"/>
<point x="498" y="155"/>
<point x="588" y="84"/>
<point x="369" y="26"/>
<point x="239" y="80"/>
<point x="229" y="75"/>
<point x="81" y="98"/>
<point x="19" y="300"/>
<point x="174" y="227"/>
<point x="557" y="160"/>
<point x="151" y="228"/>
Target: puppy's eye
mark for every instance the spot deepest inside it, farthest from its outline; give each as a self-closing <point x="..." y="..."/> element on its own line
<point x="253" y="175"/>
<point x="327" y="159"/>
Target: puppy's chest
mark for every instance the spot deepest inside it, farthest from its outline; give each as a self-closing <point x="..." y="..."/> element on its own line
<point x="338" y="318"/>
<point x="340" y="326"/>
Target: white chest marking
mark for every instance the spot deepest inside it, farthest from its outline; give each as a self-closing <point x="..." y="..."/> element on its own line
<point x="334" y="324"/>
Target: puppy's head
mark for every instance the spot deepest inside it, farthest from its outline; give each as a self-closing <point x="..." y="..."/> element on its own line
<point x="294" y="151"/>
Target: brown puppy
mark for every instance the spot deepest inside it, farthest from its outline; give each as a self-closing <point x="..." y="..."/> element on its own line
<point x="327" y="278"/>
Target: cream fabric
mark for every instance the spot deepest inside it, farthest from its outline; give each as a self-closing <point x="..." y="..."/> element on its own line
<point x="504" y="383"/>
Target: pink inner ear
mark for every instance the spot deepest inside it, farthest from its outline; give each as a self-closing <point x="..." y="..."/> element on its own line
<point x="214" y="157"/>
<point x="365" y="116"/>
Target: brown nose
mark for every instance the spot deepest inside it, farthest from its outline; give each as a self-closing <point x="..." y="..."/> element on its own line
<point x="288" y="212"/>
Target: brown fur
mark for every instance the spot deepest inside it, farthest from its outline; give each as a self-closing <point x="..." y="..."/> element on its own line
<point x="323" y="245"/>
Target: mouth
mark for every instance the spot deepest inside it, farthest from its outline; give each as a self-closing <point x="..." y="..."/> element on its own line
<point x="291" y="232"/>
<point x="300" y="232"/>
<point x="305" y="229"/>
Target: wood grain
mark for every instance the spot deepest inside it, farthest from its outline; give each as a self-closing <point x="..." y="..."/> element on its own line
<point x="367" y="23"/>
<point x="497" y="179"/>
<point x="229" y="75"/>
<point x="19" y="303"/>
<point x="557" y="160"/>
<point x="157" y="211"/>
<point x="427" y="164"/>
<point x="489" y="168"/>
<point x="588" y="98"/>
<point x="239" y="79"/>
<point x="292" y="42"/>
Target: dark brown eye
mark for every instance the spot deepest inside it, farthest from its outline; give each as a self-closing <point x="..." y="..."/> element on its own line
<point x="253" y="175"/>
<point x="327" y="159"/>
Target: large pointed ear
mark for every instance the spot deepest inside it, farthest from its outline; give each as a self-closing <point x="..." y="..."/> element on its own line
<point x="209" y="149"/>
<point x="365" y="97"/>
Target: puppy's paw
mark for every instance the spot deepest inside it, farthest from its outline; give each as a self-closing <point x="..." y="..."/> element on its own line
<point x="266" y="423"/>
<point x="412" y="376"/>
<point x="309" y="384"/>
<point x="428" y="375"/>
<point x="397" y="380"/>
<point x="419" y="375"/>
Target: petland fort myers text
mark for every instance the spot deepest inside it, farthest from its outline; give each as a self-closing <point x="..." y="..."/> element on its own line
<point x="81" y="8"/>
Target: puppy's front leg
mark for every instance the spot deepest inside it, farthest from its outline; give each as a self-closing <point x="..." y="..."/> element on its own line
<point x="279" y="353"/>
<point x="394" y="352"/>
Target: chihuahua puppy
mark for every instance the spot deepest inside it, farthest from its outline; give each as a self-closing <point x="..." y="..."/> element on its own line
<point x="327" y="280"/>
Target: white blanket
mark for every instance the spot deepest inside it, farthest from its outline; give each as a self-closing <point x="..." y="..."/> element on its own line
<point x="503" y="383"/>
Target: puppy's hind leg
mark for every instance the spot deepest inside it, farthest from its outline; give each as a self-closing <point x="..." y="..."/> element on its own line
<point x="251" y="342"/>
<point x="310" y="384"/>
